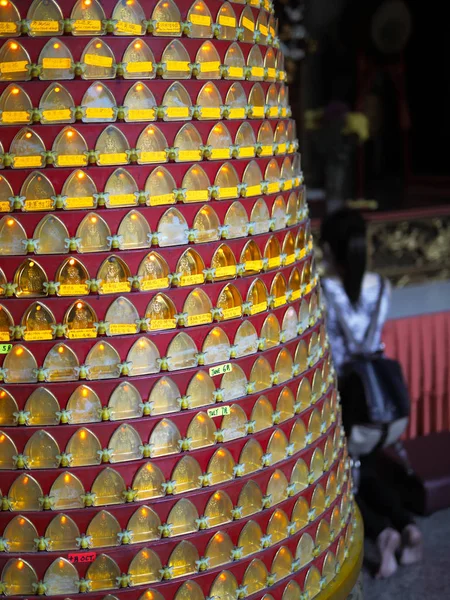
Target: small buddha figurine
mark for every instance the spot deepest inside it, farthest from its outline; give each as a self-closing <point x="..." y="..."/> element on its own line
<point x="81" y="318"/>
<point x="94" y="237"/>
<point x="149" y="269"/>
<point x="33" y="279"/>
<point x="184" y="266"/>
<point x="73" y="275"/>
<point x="38" y="320"/>
<point x="112" y="273"/>
<point x="133" y="232"/>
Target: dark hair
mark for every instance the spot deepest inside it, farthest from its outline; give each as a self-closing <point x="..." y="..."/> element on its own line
<point x="345" y="233"/>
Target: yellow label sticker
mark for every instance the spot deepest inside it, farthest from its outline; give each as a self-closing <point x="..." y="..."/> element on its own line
<point x="266" y="150"/>
<point x="18" y="66"/>
<point x="162" y="324"/>
<point x="281" y="74"/>
<point x="73" y="289"/>
<point x="237" y="113"/>
<point x="5" y="206"/>
<point x="273" y="111"/>
<point x="288" y="184"/>
<point x="113" y="159"/>
<point x="231" y="313"/>
<point x="283" y="111"/>
<point x="279" y="301"/>
<point x="273" y="187"/>
<point x="229" y="271"/>
<point x="274" y="262"/>
<point x="121" y="199"/>
<point x="228" y="192"/>
<point x="4" y="337"/>
<point x="235" y="72"/>
<point x="87" y="25"/>
<point x="197" y="195"/>
<point x="290" y="258"/>
<point x="141" y="114"/>
<point x="77" y="334"/>
<point x="256" y="3"/>
<point x="154" y="284"/>
<point x="48" y="26"/>
<point x="140" y="67"/>
<point x="297" y="181"/>
<point x="168" y="27"/>
<point x="42" y="204"/>
<point x="210" y="66"/>
<point x="56" y="63"/>
<point x="153" y="156"/>
<point x="253" y="265"/>
<point x="34" y="336"/>
<point x="15" y="116"/>
<point x="248" y="24"/>
<point x="94" y="60"/>
<point x="220" y="153"/>
<point x="302" y="253"/>
<point x="308" y="289"/>
<point x="264" y="30"/>
<point x="162" y="199"/>
<point x="220" y="370"/>
<point x="63" y="114"/>
<point x="178" y="65"/>
<point x="200" y="20"/>
<point x="119" y="286"/>
<point x="258" y="112"/>
<point x="227" y="21"/>
<point x="296" y="294"/>
<point x="210" y="112"/>
<point x="257" y="71"/>
<point x="178" y="111"/>
<point x="192" y="279"/>
<point x="199" y="319"/>
<point x="271" y="73"/>
<point x="258" y="308"/>
<point x="8" y="27"/>
<point x="281" y="148"/>
<point x="99" y="113"/>
<point x="122" y="328"/>
<point x="253" y="190"/>
<point x="246" y="152"/>
<point x="189" y="155"/>
<point x="130" y="28"/>
<point x="81" y="202"/>
<point x="219" y="411"/>
<point x="27" y="161"/>
<point x="71" y="160"/>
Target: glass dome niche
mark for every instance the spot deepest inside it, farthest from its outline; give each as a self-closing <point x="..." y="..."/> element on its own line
<point x="255" y="576"/>
<point x="200" y="19"/>
<point x="260" y="217"/>
<point x="139" y="104"/>
<point x="236" y="100"/>
<point x="246" y="339"/>
<point x="177" y="103"/>
<point x="251" y="457"/>
<point x="99" y="104"/>
<point x="161" y="313"/>
<point x="277" y="446"/>
<point x="103" y="573"/>
<point x="67" y="491"/>
<point x="167" y="17"/>
<point x="261" y="374"/>
<point x="273" y="107"/>
<point x="56" y="105"/>
<point x="42" y="450"/>
<point x="251" y="257"/>
<point x="72" y="276"/>
<point x="15" y="106"/>
<point x="209" y="60"/>
<point x="262" y="414"/>
<point x="6" y="321"/>
<point x="234" y="384"/>
<point x="115" y="275"/>
<point x="235" y="62"/>
<point x="278" y="289"/>
<point x="228" y="181"/>
<point x="257" y="295"/>
<point x="99" y="60"/>
<point x="236" y="219"/>
<point x="56" y="61"/>
<point x="177" y="61"/>
<point x="38" y="191"/>
<point x="19" y="577"/>
<point x="122" y="189"/>
<point x="46" y="18"/>
<point x="250" y="499"/>
<point x="38" y="321"/>
<point x="63" y="531"/>
<point x="125" y="402"/>
<point x="172" y="228"/>
<point x="216" y="346"/>
<point x="207" y="224"/>
<point x="233" y="425"/>
<point x="145" y="567"/>
<point x="198" y="308"/>
<point x="226" y="18"/>
<point x="154" y="271"/>
<point x="51" y="233"/>
<point x="230" y="302"/>
<point x="71" y="148"/>
<point x="12" y="236"/>
<point x="265" y="138"/>
<point x="151" y="146"/>
<point x="112" y="146"/>
<point x="61" y="363"/>
<point x="252" y="178"/>
<point x="182" y="518"/>
<point x="190" y="266"/>
<point x="121" y="317"/>
<point x="218" y="511"/>
<point x="210" y="101"/>
<point x="30" y="278"/>
<point x="84" y="405"/>
<point x="220" y="140"/>
<point x="27" y="148"/>
<point x="271" y="331"/>
<point x="270" y="64"/>
<point x="102" y="362"/>
<point x="144" y="524"/>
<point x="103" y="529"/>
<point x="262" y="27"/>
<point x="144" y="357"/>
<point x="85" y="448"/>
<point x="182" y="353"/>
<point x="125" y="444"/>
<point x="257" y="101"/>
<point x="188" y="591"/>
<point x="188" y="142"/>
<point x="186" y="475"/>
<point x="221" y="466"/>
<point x="20" y="533"/>
<point x="135" y="231"/>
<point x="8" y="406"/>
<point x="250" y="538"/>
<point x="87" y="17"/>
<point x="130" y="18"/>
<point x="219" y="549"/>
<point x="93" y="232"/>
<point x="25" y="493"/>
<point x="8" y="450"/>
<point x="196" y="182"/>
<point x="164" y="397"/>
<point x="165" y="438"/>
<point x="224" y="263"/>
<point x="14" y="60"/>
<point x="277" y="487"/>
<point x="201" y="390"/>
<point x="6" y="192"/>
<point x="10" y="18"/>
<point x="148" y="482"/>
<point x="256" y="63"/>
<point x="79" y="189"/>
<point x="139" y="61"/>
<point x="247" y="22"/>
<point x="246" y="140"/>
<point x="201" y="431"/>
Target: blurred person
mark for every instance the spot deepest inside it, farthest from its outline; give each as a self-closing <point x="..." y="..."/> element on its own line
<point x="357" y="308"/>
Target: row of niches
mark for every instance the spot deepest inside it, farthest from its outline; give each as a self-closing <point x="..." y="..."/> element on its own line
<point x="62" y="533"/>
<point x="19" y="578"/>
<point x="88" y="17"/>
<point x="65" y="491"/>
<point x="70" y="148"/>
<point x="99" y="105"/>
<point x="179" y="60"/>
<point x="92" y="232"/>
<point x="127" y="402"/>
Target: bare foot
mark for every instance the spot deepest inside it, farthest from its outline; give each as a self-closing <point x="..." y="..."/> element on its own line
<point x="388" y="542"/>
<point x="412" y="547"/>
